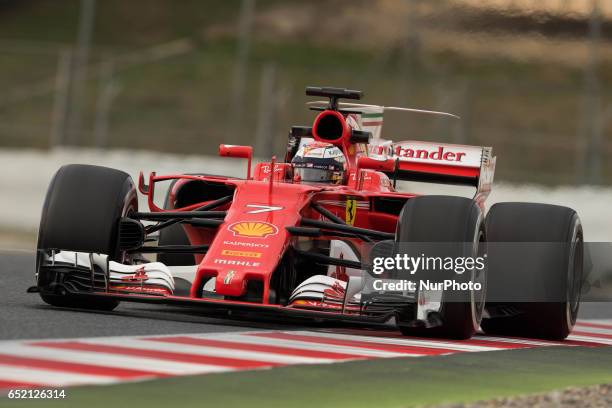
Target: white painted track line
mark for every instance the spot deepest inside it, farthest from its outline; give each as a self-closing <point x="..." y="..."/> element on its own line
<point x="49" y="377"/>
<point x="106" y="360"/>
<point x="210" y="351"/>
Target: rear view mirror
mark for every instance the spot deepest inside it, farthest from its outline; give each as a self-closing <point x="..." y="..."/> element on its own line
<point x="237" y="151"/>
<point x="241" y="152"/>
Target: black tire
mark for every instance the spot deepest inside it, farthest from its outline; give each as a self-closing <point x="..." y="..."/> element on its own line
<point x="446" y="219"/>
<point x="81" y="213"/>
<point x="552" y="272"/>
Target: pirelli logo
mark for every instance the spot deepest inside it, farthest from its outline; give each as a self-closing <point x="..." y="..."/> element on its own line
<point x="242" y="254"/>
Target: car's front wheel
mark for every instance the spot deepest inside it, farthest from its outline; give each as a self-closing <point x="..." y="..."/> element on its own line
<point x="81" y="213"/>
<point x="453" y="227"/>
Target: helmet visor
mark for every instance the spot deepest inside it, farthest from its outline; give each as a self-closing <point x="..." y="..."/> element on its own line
<point x="311" y="175"/>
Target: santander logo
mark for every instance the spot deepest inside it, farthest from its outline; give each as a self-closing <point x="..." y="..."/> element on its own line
<point x="439" y="154"/>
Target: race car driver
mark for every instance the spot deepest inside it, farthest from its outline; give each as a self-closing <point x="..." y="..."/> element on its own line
<point x="319" y="162"/>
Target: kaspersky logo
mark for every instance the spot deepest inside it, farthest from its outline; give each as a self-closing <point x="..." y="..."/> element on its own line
<point x="253" y="229"/>
<point x="246" y="244"/>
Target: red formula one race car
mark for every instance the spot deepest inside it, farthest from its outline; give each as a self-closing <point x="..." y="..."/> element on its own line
<point x="324" y="234"/>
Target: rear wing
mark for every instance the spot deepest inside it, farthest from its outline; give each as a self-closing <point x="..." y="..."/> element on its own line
<point x="437" y="163"/>
<point x="415" y="160"/>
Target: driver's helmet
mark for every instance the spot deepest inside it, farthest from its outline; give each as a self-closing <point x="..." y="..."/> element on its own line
<point x="319" y="162"/>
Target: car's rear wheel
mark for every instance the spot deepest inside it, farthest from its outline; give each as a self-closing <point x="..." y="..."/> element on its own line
<point x="453" y="225"/>
<point x="81" y="213"/>
<point x="542" y="255"/>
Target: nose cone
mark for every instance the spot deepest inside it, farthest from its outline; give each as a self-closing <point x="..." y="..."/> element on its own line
<point x="230" y="282"/>
<point x="253" y="238"/>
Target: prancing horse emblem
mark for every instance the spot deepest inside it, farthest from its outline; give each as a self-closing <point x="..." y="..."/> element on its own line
<point x="351" y="210"/>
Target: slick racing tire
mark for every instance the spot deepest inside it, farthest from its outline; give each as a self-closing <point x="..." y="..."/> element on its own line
<point x="81" y="213"/>
<point x="550" y="265"/>
<point x="455" y="224"/>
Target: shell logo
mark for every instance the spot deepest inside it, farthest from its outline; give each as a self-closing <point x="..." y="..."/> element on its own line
<point x="253" y="229"/>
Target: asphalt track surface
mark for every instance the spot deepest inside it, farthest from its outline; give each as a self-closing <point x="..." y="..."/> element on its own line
<point x="25" y="316"/>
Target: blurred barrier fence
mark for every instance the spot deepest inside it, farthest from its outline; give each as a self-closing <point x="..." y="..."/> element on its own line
<point x="548" y="122"/>
<point x="26" y="175"/>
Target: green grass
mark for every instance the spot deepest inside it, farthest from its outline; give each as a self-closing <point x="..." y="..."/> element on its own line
<point x="378" y="383"/>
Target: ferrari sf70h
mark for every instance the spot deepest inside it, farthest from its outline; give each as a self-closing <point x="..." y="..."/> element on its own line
<point x="298" y="237"/>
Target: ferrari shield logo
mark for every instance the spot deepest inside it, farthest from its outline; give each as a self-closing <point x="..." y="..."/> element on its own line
<point x="228" y="278"/>
<point x="139" y="275"/>
<point x="351" y="210"/>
